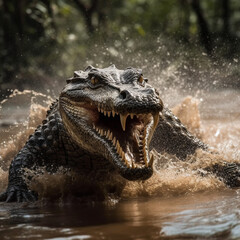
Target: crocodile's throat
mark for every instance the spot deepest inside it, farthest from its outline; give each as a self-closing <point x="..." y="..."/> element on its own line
<point x="126" y="134"/>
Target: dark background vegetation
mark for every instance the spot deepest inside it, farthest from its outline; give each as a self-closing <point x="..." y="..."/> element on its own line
<point x="43" y="41"/>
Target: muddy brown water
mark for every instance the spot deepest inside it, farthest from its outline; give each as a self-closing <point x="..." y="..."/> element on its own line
<point x="176" y="203"/>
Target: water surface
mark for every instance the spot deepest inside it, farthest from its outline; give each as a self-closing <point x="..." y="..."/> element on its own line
<point x="176" y="203"/>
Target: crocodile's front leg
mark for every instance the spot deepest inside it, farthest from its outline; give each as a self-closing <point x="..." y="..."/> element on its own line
<point x="17" y="189"/>
<point x="173" y="138"/>
<point x="40" y="149"/>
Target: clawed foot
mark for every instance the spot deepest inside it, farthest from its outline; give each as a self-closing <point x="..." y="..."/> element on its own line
<point x="18" y="194"/>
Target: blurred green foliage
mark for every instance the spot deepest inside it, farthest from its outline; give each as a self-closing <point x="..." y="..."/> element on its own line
<point x="45" y="39"/>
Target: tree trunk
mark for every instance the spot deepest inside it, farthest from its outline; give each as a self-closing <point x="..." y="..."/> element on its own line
<point x="205" y="36"/>
<point x="225" y="17"/>
<point x="9" y="40"/>
<point x="87" y="12"/>
<point x="185" y="8"/>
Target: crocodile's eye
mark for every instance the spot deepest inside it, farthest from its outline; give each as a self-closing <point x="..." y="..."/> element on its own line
<point x="94" y="80"/>
<point x="141" y="80"/>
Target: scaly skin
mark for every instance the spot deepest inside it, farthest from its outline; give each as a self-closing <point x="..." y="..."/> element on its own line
<point x="171" y="136"/>
<point x="103" y="124"/>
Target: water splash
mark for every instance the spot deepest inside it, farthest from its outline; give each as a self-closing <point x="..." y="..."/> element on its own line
<point x="172" y="177"/>
<point x="33" y="107"/>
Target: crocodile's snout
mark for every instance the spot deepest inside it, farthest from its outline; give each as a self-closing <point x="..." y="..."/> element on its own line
<point x="139" y="100"/>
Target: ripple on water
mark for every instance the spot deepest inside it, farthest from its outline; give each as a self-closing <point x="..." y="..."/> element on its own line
<point x="219" y="217"/>
<point x="183" y="204"/>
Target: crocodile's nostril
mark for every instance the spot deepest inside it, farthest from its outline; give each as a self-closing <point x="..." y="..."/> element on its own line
<point x="123" y="94"/>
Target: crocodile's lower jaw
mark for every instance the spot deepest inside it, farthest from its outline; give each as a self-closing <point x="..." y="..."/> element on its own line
<point x="127" y="136"/>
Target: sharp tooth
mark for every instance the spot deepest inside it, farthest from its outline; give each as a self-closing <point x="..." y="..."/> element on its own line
<point x="144" y="153"/>
<point x="155" y="120"/>
<point x="123" y="119"/>
<point x="109" y="114"/>
<point x="113" y="113"/>
<point x="155" y="123"/>
<point x="120" y="150"/>
<point x="110" y="136"/>
<point x="118" y="147"/>
<point x="105" y="113"/>
<point x="133" y="165"/>
<point x="114" y="141"/>
<point x="150" y="164"/>
<point x="132" y="115"/>
<point x="122" y="154"/>
<point x="108" y="133"/>
<point x="94" y="126"/>
<point x="101" y="132"/>
<point x="99" y="109"/>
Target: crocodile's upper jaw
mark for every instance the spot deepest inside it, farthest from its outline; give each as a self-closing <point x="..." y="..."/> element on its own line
<point x="120" y="135"/>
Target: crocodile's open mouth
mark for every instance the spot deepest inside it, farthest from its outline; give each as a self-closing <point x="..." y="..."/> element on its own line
<point x="128" y="134"/>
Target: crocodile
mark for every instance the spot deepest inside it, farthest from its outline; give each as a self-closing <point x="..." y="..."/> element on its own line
<point x="105" y="122"/>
